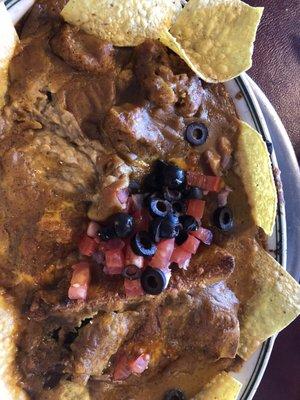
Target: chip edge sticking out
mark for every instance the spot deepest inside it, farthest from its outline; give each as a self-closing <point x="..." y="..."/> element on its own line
<point x="8" y="42"/>
<point x="257" y="176"/>
<point x="129" y="27"/>
<point x="176" y="43"/>
<point x="275" y="303"/>
<point x="221" y="387"/>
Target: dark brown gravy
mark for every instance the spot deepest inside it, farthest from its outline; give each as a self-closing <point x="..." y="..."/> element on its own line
<point x="62" y="137"/>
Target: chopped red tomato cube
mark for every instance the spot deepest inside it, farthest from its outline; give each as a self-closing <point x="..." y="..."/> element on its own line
<point x="122" y="369"/>
<point x="80" y="281"/>
<point x="205" y="235"/>
<point x="181" y="257"/>
<point x="93" y="229"/>
<point x="205" y="182"/>
<point x="112" y="244"/>
<point x="133" y="288"/>
<point x="114" y="261"/>
<point x="87" y="246"/>
<point x="190" y="245"/>
<point x="196" y="208"/>
<point x="132" y="259"/>
<point x="140" y="364"/>
<point x="161" y="259"/>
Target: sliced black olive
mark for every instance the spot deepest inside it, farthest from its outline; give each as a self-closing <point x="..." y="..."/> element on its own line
<point x="142" y="245"/>
<point x="134" y="187"/>
<point x="269" y="146"/>
<point x="169" y="175"/>
<point x="223" y="218"/>
<point x="169" y="227"/>
<point x="148" y="198"/>
<point x="196" y="133"/>
<point x="194" y="192"/>
<point x="181" y="238"/>
<point x="171" y="195"/>
<point x="150" y="183"/>
<point x="159" y="208"/>
<point x="179" y="207"/>
<point x="174" y="394"/>
<point x="122" y="223"/>
<point x="106" y="233"/>
<point x="132" y="272"/>
<point x="188" y="223"/>
<point x="154" y="229"/>
<point x="153" y="281"/>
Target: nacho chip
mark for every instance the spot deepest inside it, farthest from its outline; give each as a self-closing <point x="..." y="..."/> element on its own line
<point x="215" y="37"/>
<point x="8" y="41"/>
<point x="222" y="387"/>
<point x="256" y="172"/>
<point x="275" y="303"/>
<point x="123" y="23"/>
<point x="8" y="333"/>
<point x="269" y="297"/>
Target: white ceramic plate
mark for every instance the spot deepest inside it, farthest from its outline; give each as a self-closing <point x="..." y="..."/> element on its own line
<point x="248" y="109"/>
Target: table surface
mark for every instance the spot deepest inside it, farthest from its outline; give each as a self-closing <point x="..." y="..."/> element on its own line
<point x="276" y="69"/>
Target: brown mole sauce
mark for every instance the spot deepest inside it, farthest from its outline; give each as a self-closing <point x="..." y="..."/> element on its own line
<point x="78" y="108"/>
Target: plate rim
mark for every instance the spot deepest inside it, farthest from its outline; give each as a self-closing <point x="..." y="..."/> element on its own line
<point x="253" y="106"/>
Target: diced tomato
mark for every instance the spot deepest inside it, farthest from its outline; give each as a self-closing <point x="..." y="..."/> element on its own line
<point x="114" y="261"/>
<point x="133" y="288"/>
<point x="190" y="245"/>
<point x="132" y="259"/>
<point x="196" y="208"/>
<point x="140" y="364"/>
<point x="122" y="369"/>
<point x="80" y="281"/>
<point x="93" y="229"/>
<point x="180" y="256"/>
<point x="112" y="244"/>
<point x="205" y="182"/>
<point x="185" y="264"/>
<point x="205" y="235"/>
<point x="123" y="195"/>
<point x="137" y="202"/>
<point x="87" y="246"/>
<point x="161" y="259"/>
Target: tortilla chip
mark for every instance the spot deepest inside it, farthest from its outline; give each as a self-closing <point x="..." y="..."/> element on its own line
<point x="67" y="390"/>
<point x="8" y="41"/>
<point x="255" y="168"/>
<point x="215" y="37"/>
<point x="123" y="23"/>
<point x="269" y="297"/>
<point x="8" y="334"/>
<point x="275" y="303"/>
<point x="222" y="387"/>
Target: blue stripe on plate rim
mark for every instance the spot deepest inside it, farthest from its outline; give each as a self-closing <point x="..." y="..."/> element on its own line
<point x="280" y="228"/>
<point x="10" y="3"/>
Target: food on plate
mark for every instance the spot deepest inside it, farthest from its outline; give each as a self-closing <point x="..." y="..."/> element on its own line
<point x="123" y="23"/>
<point x="216" y="36"/>
<point x="7" y="31"/>
<point x="222" y="387"/>
<point x="134" y="217"/>
<point x="256" y="171"/>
